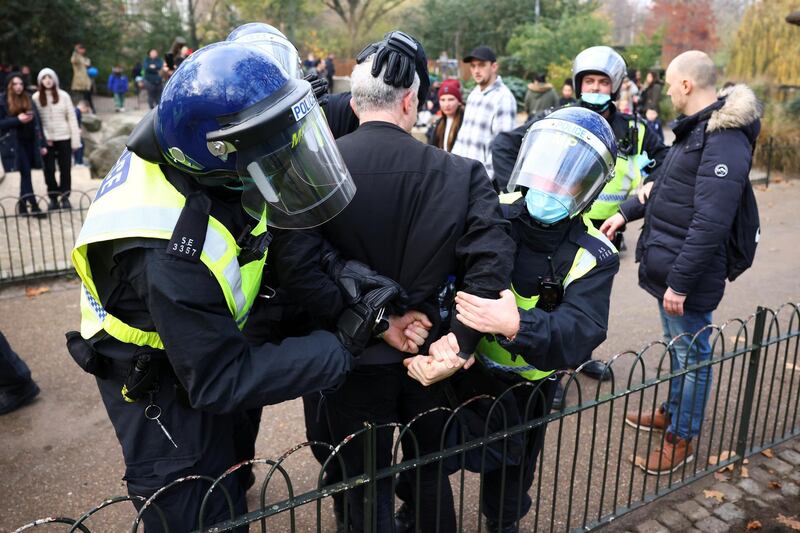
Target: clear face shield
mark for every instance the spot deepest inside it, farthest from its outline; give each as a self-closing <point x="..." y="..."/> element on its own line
<point x="278" y="48"/>
<point x="288" y="161"/>
<point x="562" y="163"/>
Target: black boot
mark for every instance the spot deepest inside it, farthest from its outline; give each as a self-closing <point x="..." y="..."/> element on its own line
<point x="596" y="370"/>
<point x="53" y="205"/>
<point x="22" y="208"/>
<point x="505" y="527"/>
<point x="65" y="203"/>
<point x="35" y="209"/>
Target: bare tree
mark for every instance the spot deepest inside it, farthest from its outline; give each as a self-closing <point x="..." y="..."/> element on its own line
<point x="360" y="15"/>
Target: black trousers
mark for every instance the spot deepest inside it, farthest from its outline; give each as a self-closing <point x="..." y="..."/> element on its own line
<point x="384" y="394"/>
<point x="61" y="151"/>
<point x="16" y="384"/>
<point x="208" y="444"/>
<point x="515" y="500"/>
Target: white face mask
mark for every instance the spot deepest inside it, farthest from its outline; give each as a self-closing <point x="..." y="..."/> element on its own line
<point x="596" y="99"/>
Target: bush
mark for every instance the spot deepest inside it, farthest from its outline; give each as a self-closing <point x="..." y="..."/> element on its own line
<point x="783" y="130"/>
<point x="518" y="88"/>
<point x="793" y="108"/>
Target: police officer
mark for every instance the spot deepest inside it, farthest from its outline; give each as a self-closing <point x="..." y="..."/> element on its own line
<point x="556" y="311"/>
<point x="597" y="75"/>
<point x="423" y="217"/>
<point x="171" y="256"/>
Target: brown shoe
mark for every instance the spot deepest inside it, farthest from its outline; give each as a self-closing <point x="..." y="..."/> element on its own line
<point x="674" y="453"/>
<point x="658" y="421"/>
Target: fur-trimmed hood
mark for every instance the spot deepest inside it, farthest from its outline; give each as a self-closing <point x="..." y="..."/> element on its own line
<point x="741" y="109"/>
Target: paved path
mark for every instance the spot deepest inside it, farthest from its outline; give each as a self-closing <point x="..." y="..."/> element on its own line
<point x="59" y="455"/>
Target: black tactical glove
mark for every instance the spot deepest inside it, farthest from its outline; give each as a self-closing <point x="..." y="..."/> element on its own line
<point x="370" y="299"/>
<point x="320" y="88"/>
<point x="356" y="280"/>
<point x="402" y="55"/>
<point x="361" y="322"/>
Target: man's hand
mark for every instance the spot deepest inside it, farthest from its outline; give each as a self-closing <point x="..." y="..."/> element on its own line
<point x="489" y="316"/>
<point x="673" y="302"/>
<point x="408" y="332"/>
<point x="43" y="151"/>
<point x="644" y="192"/>
<point x="427" y="370"/>
<point x="445" y="351"/>
<point x="612" y="225"/>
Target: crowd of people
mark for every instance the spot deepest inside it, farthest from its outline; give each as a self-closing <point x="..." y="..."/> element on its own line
<point x="401" y="276"/>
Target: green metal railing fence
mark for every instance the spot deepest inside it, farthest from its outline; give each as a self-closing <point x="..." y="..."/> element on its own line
<point x="587" y="474"/>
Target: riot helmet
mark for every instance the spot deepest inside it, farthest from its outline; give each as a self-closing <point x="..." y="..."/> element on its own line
<point x="565" y="161"/>
<point x="230" y="112"/>
<point x="273" y="42"/>
<point x="599" y="60"/>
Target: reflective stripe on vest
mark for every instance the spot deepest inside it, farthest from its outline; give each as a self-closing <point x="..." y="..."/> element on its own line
<point x="627" y="177"/>
<point x="493" y="355"/>
<point x="136" y="200"/>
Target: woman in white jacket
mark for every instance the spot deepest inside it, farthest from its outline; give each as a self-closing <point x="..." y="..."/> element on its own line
<point x="60" y="126"/>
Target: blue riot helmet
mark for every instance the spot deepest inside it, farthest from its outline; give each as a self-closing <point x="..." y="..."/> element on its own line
<point x="565" y="161"/>
<point x="231" y="112"/>
<point x="272" y="41"/>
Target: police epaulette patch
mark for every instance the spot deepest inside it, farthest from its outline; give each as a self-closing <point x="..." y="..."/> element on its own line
<point x="189" y="234"/>
<point x="601" y="250"/>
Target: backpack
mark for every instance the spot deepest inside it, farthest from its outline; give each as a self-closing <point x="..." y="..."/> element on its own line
<point x="744" y="236"/>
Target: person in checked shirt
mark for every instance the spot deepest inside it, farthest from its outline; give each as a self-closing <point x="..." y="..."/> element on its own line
<point x="491" y="109"/>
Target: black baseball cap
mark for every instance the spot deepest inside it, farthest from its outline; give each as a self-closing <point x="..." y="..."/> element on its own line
<point x="481" y="53"/>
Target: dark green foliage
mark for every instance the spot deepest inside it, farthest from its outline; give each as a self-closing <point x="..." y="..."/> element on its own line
<point x="457" y="26"/>
<point x="43" y="33"/>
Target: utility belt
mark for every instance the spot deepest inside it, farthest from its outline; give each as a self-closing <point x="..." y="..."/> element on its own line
<point x="140" y="376"/>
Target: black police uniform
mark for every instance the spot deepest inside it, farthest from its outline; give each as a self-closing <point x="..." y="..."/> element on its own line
<point x="208" y="376"/>
<point x="506" y="145"/>
<point x="553" y="339"/>
<point x="419" y="215"/>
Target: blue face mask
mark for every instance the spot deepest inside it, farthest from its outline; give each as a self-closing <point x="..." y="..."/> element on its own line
<point x="598" y="100"/>
<point x="547" y="208"/>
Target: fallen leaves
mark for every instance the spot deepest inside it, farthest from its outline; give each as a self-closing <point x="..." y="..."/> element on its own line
<point x="768" y="453"/>
<point x="717" y="495"/>
<point x="744" y="472"/>
<point x="775" y="485"/>
<point x="719" y="476"/>
<point x="724" y="456"/>
<point x="33" y="292"/>
<point x="753" y="524"/>
<point x="790" y="366"/>
<point x="789" y="521"/>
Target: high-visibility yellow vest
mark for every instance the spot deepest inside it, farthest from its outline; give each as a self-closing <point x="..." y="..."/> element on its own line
<point x="491" y="354"/>
<point x="136" y="200"/>
<point x="627" y="177"/>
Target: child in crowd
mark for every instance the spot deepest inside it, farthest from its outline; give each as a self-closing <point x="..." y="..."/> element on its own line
<point x="118" y="86"/>
<point x="651" y="116"/>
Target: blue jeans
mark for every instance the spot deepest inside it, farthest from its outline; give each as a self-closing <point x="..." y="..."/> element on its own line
<point x="687" y="394"/>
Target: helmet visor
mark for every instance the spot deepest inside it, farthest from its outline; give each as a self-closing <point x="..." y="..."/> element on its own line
<point x="301" y="179"/>
<point x="278" y="48"/>
<point x="563" y="160"/>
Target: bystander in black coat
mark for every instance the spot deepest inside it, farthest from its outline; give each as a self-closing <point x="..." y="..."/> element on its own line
<point x="695" y="197"/>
